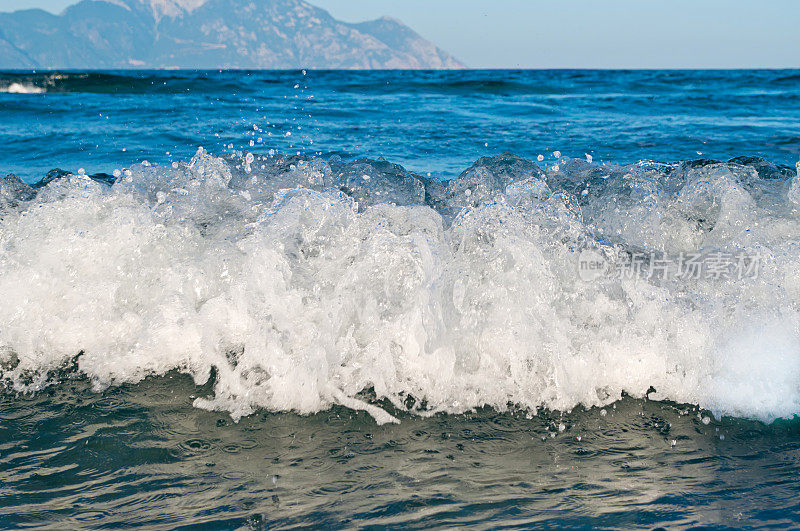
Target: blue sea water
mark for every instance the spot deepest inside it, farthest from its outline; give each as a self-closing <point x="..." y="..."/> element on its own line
<point x="354" y="299"/>
<point x="438" y="122"/>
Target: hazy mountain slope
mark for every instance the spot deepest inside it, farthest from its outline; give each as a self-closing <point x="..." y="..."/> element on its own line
<point x="398" y="36"/>
<point x="208" y="34"/>
<point x="12" y="57"/>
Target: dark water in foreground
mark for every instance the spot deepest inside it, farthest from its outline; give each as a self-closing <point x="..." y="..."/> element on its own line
<point x="288" y="268"/>
<point x="143" y="456"/>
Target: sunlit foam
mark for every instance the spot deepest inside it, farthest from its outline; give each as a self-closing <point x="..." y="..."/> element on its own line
<point x="22" y="88"/>
<point x="301" y="284"/>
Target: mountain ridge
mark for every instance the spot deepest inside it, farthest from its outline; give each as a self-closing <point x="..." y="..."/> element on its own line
<point x="210" y="34"/>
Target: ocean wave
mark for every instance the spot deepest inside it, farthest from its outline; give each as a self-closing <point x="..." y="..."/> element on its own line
<point x="295" y="284"/>
<point x="115" y="82"/>
<point x="22" y="88"/>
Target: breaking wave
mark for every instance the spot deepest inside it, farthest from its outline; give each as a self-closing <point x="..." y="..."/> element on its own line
<point x="21" y="88"/>
<point x="294" y="284"/>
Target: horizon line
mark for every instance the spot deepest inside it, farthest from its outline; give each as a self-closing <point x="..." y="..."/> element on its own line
<point x="476" y="69"/>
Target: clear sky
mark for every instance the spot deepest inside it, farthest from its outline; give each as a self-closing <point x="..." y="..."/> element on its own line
<point x="585" y="33"/>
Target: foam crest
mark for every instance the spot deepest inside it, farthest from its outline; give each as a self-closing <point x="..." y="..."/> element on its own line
<point x="22" y="88"/>
<point x="296" y="284"/>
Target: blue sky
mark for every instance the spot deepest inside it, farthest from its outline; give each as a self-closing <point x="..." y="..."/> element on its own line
<point x="586" y="33"/>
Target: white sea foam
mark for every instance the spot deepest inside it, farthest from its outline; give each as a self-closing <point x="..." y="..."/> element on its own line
<point x="300" y="284"/>
<point x="22" y="88"/>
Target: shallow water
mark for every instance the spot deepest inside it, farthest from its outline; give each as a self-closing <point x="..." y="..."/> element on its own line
<point x="142" y="455"/>
<point x="283" y="330"/>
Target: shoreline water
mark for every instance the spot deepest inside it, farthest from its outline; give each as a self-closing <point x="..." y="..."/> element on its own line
<point x="222" y="337"/>
<point x="142" y="455"/>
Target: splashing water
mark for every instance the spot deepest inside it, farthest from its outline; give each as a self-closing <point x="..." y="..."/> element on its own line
<point x="22" y="88"/>
<point x="297" y="284"/>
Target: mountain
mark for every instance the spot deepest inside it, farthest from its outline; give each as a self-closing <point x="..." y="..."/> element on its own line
<point x="208" y="34"/>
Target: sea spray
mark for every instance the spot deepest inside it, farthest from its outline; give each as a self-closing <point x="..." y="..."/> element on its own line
<point x="297" y="284"/>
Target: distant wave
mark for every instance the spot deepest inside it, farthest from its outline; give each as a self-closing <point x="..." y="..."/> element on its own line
<point x="110" y="83"/>
<point x="510" y="82"/>
<point x="296" y="284"/>
<point x="22" y="88"/>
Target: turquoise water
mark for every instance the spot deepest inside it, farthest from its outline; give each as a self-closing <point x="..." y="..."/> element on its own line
<point x="355" y="299"/>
